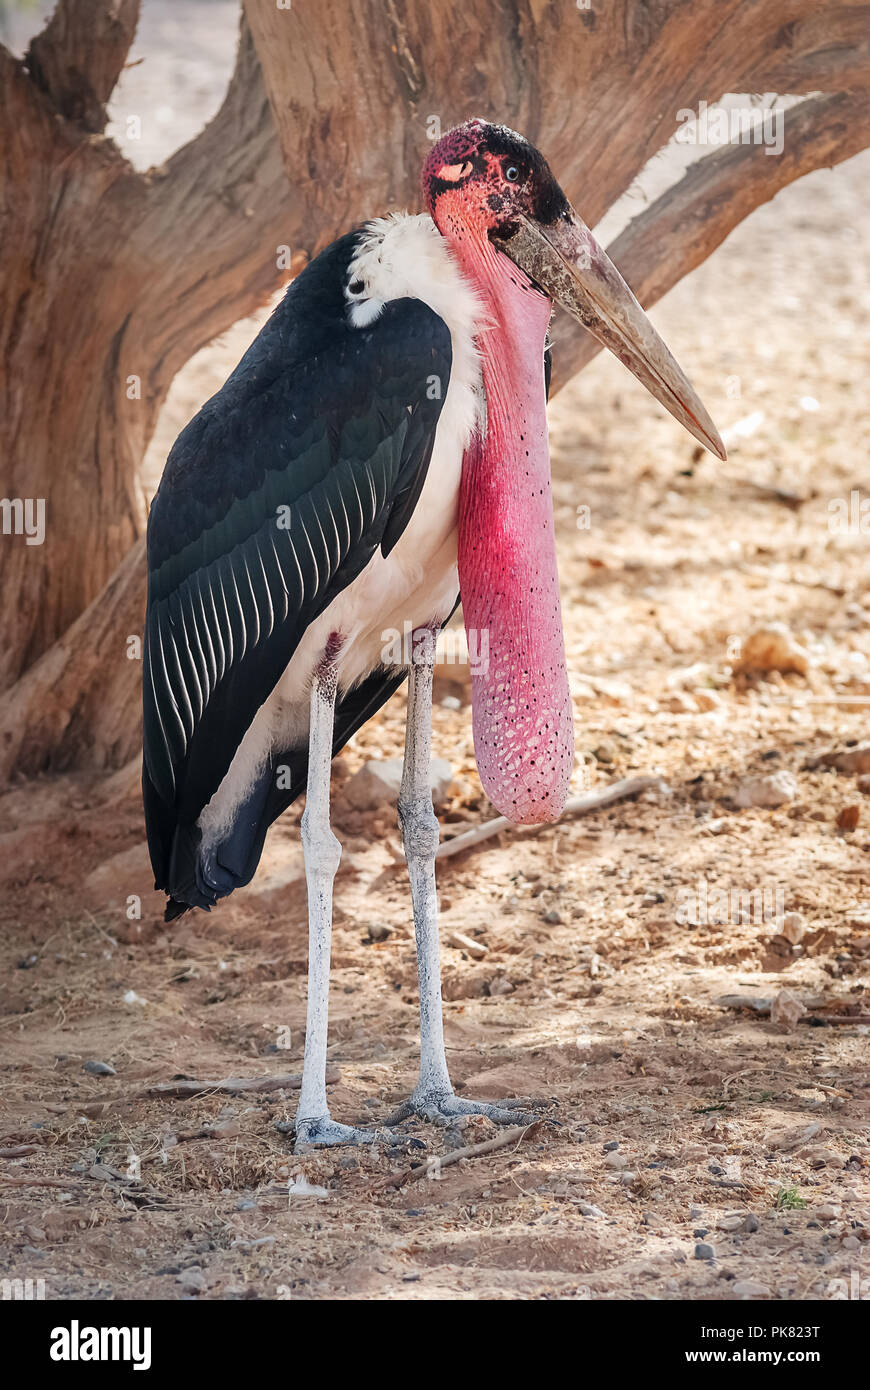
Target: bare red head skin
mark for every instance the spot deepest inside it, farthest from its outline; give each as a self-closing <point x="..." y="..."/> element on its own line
<point x="522" y="716"/>
<point x="522" y="246"/>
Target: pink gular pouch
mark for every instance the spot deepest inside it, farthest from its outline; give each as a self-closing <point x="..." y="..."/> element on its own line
<point x="522" y="247"/>
<point x="521" y="704"/>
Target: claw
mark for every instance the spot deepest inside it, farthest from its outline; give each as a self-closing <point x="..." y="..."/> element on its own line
<point x="325" y="1132"/>
<point x="443" y="1107"/>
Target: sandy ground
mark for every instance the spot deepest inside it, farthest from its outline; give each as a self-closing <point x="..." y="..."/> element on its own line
<point x="745" y="1133"/>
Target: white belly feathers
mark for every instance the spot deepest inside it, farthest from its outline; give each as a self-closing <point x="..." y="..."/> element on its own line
<point x="399" y="257"/>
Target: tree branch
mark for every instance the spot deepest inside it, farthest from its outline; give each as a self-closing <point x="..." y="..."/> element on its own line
<point x="78" y="57"/>
<point x="682" y="227"/>
<point x="215" y="216"/>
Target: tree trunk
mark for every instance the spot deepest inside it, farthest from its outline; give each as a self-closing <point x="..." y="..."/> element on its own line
<point x="112" y="275"/>
<point x="113" y="279"/>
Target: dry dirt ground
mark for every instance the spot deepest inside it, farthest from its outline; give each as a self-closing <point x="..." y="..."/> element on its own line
<point x="594" y="993"/>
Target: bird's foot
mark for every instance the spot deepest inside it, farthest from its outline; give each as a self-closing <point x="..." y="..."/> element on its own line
<point x="323" y="1131"/>
<point x="442" y="1107"/>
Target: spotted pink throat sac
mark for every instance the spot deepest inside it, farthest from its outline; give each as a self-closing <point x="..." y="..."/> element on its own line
<point x="521" y="704"/>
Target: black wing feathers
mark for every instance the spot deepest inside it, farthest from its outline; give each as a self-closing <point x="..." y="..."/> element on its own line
<point x="274" y="498"/>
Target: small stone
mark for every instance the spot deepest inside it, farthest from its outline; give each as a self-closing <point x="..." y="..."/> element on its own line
<point x="379" y="931"/>
<point x="751" y="1223"/>
<point x="99" y="1069"/>
<point x="786" y="1011"/>
<point x="849" y="760"/>
<point x="863" y="784"/>
<point x="829" y="1212"/>
<point x="378" y="781"/>
<point x="192" y="1279"/>
<point x="611" y="1146"/>
<point x="785" y="1139"/>
<point x="816" y="1157"/>
<point x="704" y="1251"/>
<point x="848" y="817"/>
<point x="615" y="1160"/>
<point x="500" y="985"/>
<point x="587" y="1209"/>
<point x="775" y="789"/>
<point x="851" y="1243"/>
<point x="748" y="1288"/>
<point x="475" y="949"/>
<point x="679" y="703"/>
<point x="730" y="1223"/>
<point x="772" y="648"/>
<point x="793" y="927"/>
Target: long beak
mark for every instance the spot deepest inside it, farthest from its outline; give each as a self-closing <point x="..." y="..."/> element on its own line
<point x="565" y="260"/>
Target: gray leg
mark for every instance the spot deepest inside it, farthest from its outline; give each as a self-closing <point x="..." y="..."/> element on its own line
<point x="322" y="855"/>
<point x="433" y="1096"/>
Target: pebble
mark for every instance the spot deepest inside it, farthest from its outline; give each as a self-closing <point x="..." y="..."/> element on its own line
<point x="500" y="985"/>
<point x="704" y="1251"/>
<point x="772" y="648"/>
<point x="378" y="782"/>
<point x="850" y="760"/>
<point x="829" y="1212"/>
<point x="774" y="789"/>
<point x="587" y="1209"/>
<point x="863" y="784"/>
<point x="192" y="1279"/>
<point x="793" y="927"/>
<point x="99" y="1069"/>
<point x="615" y="1160"/>
<point x="730" y="1223"/>
<point x="611" y="1146"/>
<point x="748" y="1288"/>
<point x="379" y="931"/>
<point x="553" y="918"/>
<point x="848" y="817"/>
<point x="475" y="949"/>
<point x="786" y="1011"/>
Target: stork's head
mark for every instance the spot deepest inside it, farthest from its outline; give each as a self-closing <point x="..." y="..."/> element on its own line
<point x="488" y="189"/>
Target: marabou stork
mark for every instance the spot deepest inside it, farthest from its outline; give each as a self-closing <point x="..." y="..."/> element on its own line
<point x="380" y="448"/>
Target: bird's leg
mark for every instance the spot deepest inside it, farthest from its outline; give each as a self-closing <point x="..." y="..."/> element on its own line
<point x="433" y="1097"/>
<point x="322" y="855"/>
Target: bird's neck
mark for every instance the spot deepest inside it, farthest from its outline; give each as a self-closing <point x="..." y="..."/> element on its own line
<point x="521" y="705"/>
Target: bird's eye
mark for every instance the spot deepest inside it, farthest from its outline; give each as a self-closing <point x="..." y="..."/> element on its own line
<point x="512" y="173"/>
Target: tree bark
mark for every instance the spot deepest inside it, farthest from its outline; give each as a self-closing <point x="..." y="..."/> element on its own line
<point x="113" y="279"/>
<point x="114" y="274"/>
<point x="358" y="96"/>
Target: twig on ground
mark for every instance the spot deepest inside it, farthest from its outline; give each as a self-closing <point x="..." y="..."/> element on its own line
<point x="576" y="806"/>
<point x="501" y="1141"/>
<point x="185" y="1087"/>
